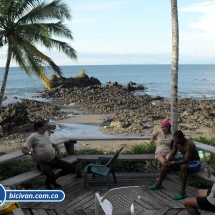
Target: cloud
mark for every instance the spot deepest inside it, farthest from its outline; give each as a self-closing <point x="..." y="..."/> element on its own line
<point x="116" y="58"/>
<point x="200" y="7"/>
<point x="80" y="21"/>
<point x="99" y="5"/>
<point x="203" y="28"/>
<point x="108" y="58"/>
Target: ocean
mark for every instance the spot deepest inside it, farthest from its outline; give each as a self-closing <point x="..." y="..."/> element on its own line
<point x="195" y="81"/>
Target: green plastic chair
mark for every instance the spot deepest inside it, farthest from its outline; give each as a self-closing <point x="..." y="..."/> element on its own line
<point x="103" y="170"/>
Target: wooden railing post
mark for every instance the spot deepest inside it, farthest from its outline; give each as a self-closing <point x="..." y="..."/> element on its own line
<point x="69" y="146"/>
<point x="78" y="168"/>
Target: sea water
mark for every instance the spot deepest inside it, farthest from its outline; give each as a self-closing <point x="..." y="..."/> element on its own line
<point x="194" y="81"/>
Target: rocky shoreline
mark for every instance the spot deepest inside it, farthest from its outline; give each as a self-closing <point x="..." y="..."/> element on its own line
<point x="132" y="111"/>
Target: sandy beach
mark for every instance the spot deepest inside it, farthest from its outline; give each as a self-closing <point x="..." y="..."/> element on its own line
<point x="97" y="120"/>
<point x="14" y="142"/>
<point x="11" y="143"/>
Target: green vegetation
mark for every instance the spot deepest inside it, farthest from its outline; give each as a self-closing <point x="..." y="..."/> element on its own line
<point x="52" y="76"/>
<point x="143" y="148"/>
<point x="12" y="168"/>
<point x="81" y="74"/>
<point x="127" y="166"/>
<point x="201" y="183"/>
<point x="203" y="139"/>
<point x="33" y="184"/>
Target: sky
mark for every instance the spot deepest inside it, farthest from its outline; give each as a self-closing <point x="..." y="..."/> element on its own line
<point x="109" y="32"/>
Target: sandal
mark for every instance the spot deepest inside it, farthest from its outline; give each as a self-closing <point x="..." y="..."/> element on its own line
<point x="179" y="196"/>
<point x="155" y="187"/>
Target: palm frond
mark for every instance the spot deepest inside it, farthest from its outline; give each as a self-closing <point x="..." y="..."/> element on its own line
<point x="37" y="57"/>
<point x="45" y="80"/>
<point x="24" y="6"/>
<point x="54" y="10"/>
<point x="59" y="29"/>
<point x="17" y="54"/>
<point x="64" y="47"/>
<point x="27" y="23"/>
<point x="31" y="63"/>
<point x="42" y="31"/>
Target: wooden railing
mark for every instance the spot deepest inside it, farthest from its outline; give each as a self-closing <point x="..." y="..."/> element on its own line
<point x="69" y="146"/>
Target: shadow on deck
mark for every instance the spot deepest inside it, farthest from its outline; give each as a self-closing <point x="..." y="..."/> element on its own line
<point x="81" y="201"/>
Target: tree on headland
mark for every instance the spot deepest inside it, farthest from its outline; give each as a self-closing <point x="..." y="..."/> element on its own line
<point x="27" y="23"/>
<point x="174" y="74"/>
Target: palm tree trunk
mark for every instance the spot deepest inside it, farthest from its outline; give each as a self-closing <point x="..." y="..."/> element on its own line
<point x="174" y="74"/>
<point x="4" y="81"/>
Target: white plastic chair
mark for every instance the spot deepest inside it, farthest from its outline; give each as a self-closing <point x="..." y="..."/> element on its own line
<point x="118" y="201"/>
<point x="203" y="212"/>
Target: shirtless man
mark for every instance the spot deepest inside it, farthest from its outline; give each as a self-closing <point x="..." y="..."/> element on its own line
<point x="188" y="164"/>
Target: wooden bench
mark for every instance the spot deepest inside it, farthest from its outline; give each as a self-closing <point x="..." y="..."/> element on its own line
<point x="69" y="146"/>
<point x="24" y="177"/>
<point x="203" y="174"/>
<point x="133" y="157"/>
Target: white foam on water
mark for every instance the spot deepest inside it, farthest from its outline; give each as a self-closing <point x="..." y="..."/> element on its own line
<point x="77" y="130"/>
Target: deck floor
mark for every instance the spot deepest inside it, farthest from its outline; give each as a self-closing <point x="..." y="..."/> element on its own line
<point x="81" y="201"/>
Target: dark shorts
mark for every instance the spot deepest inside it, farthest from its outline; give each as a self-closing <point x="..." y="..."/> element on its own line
<point x="204" y="204"/>
<point x="194" y="166"/>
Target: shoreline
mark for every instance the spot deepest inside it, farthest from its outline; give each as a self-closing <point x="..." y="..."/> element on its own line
<point x="97" y="120"/>
<point x="113" y="108"/>
<point x="198" y="75"/>
<point x="89" y="119"/>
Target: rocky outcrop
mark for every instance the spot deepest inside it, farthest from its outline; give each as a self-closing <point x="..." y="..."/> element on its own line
<point x="74" y="82"/>
<point x="19" y="117"/>
<point x="131" y="112"/>
<point x="12" y="116"/>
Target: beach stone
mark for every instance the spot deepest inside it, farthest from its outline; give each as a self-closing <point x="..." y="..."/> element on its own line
<point x="130" y="112"/>
<point x="119" y="124"/>
<point x="140" y="87"/>
<point x="114" y="83"/>
<point x="84" y="81"/>
<point x="129" y="87"/>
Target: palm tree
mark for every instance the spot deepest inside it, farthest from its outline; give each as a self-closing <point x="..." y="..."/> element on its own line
<point x="174" y="74"/>
<point x="27" y="23"/>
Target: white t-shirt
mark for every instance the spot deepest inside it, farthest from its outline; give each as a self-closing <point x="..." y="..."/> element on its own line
<point x="210" y="198"/>
<point x="163" y="142"/>
<point x="41" y="145"/>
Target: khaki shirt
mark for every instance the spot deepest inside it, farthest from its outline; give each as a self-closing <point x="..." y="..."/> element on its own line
<point x="41" y="146"/>
<point x="163" y="143"/>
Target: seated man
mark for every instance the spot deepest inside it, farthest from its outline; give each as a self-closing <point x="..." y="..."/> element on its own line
<point x="204" y="201"/>
<point x="43" y="154"/>
<point x="189" y="163"/>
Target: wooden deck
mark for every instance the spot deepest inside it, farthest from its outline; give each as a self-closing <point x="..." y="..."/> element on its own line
<point x="81" y="201"/>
